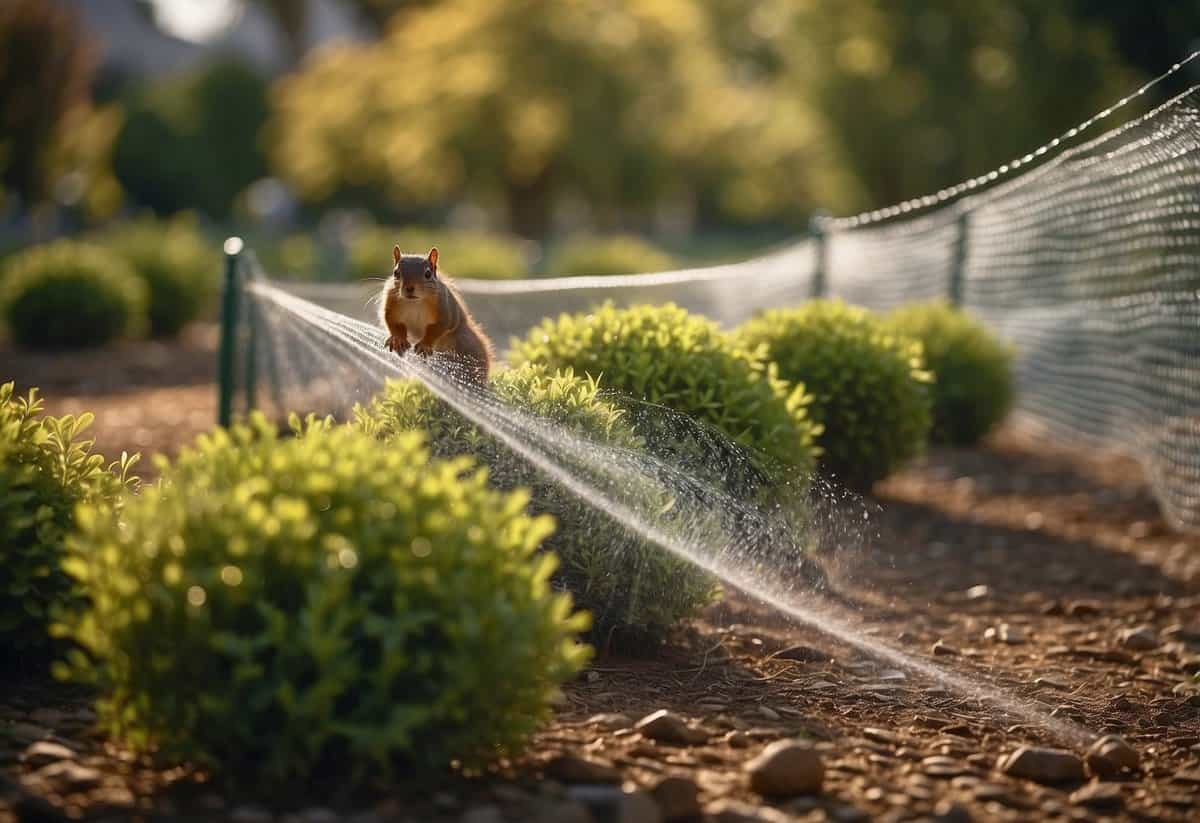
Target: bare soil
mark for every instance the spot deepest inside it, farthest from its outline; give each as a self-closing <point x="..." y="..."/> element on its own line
<point x="1017" y="564"/>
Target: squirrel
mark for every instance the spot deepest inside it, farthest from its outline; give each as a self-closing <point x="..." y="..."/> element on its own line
<point x="421" y="309"/>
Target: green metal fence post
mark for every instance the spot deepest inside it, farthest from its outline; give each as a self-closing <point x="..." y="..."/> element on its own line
<point x="818" y="230"/>
<point x="958" y="265"/>
<point x="229" y="324"/>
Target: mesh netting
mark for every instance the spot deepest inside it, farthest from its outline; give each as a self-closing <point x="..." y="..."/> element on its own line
<point x="1089" y="263"/>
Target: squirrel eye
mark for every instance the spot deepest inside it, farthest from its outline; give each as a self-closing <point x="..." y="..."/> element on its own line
<point x="428" y="274"/>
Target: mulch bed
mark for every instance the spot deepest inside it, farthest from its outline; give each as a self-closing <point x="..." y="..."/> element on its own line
<point x="1039" y="571"/>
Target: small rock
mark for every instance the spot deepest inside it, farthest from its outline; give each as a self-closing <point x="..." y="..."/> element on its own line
<point x="1139" y="639"/>
<point x="70" y="774"/>
<point x="880" y="735"/>
<point x="732" y="811"/>
<point x="737" y="740"/>
<point x="666" y="727"/>
<point x="1098" y="795"/>
<point x="949" y="812"/>
<point x="571" y="768"/>
<point x="944" y="649"/>
<point x="977" y="592"/>
<point x="1005" y="633"/>
<point x="942" y="766"/>
<point x="785" y="768"/>
<point x="45" y="751"/>
<point x="482" y="814"/>
<point x="1042" y="765"/>
<point x="678" y="798"/>
<point x="768" y="712"/>
<point x="250" y="814"/>
<point x="1110" y="757"/>
<point x="610" y="721"/>
<point x="1083" y="608"/>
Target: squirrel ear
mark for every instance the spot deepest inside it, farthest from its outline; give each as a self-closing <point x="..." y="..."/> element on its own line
<point x="395" y="254"/>
<point x="433" y="257"/>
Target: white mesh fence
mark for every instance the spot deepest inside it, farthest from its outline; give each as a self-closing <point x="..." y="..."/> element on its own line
<point x="1089" y="263"/>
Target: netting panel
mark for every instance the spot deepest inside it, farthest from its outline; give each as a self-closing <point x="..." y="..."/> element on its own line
<point x="1089" y="264"/>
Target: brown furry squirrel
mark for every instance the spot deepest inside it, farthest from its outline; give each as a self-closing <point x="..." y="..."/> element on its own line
<point x="423" y="310"/>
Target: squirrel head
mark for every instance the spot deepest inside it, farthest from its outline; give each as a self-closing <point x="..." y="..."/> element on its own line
<point x="414" y="275"/>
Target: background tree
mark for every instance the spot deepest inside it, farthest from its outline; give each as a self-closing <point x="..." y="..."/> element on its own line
<point x="521" y="103"/>
<point x="924" y="93"/>
<point x="45" y="71"/>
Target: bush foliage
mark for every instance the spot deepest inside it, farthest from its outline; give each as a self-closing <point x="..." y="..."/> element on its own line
<point x="973" y="381"/>
<point x="871" y="391"/>
<point x="278" y="608"/>
<point x="469" y="254"/>
<point x="630" y="586"/>
<point x="666" y="356"/>
<point x="46" y="467"/>
<point x="180" y="270"/>
<point x="68" y="294"/>
<point x="598" y="256"/>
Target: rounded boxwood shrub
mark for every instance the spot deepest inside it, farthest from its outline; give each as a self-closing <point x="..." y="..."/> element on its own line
<point x="973" y="380"/>
<point x="602" y="256"/>
<point x="46" y="468"/>
<point x="665" y="356"/>
<point x="870" y="389"/>
<point x="68" y="294"/>
<point x="633" y="589"/>
<point x="467" y="254"/>
<point x="180" y="271"/>
<point x="283" y="608"/>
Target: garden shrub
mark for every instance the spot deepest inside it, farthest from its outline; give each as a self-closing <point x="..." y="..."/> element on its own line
<point x="68" y="294"/>
<point x="467" y="254"/>
<point x="284" y="608"/>
<point x="870" y="389"/>
<point x="633" y="589"/>
<point x="46" y="467"/>
<point x="181" y="272"/>
<point x="602" y="256"/>
<point x="973" y="380"/>
<point x="665" y="356"/>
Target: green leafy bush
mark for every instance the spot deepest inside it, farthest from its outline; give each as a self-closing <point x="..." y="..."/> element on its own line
<point x="665" y="356"/>
<point x="871" y="391"/>
<point x="467" y="254"/>
<point x="601" y="256"/>
<point x="68" y="294"/>
<point x="181" y="272"/>
<point x="46" y="467"/>
<point x="193" y="142"/>
<point x="973" y="380"/>
<point x="282" y="608"/>
<point x="631" y="587"/>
